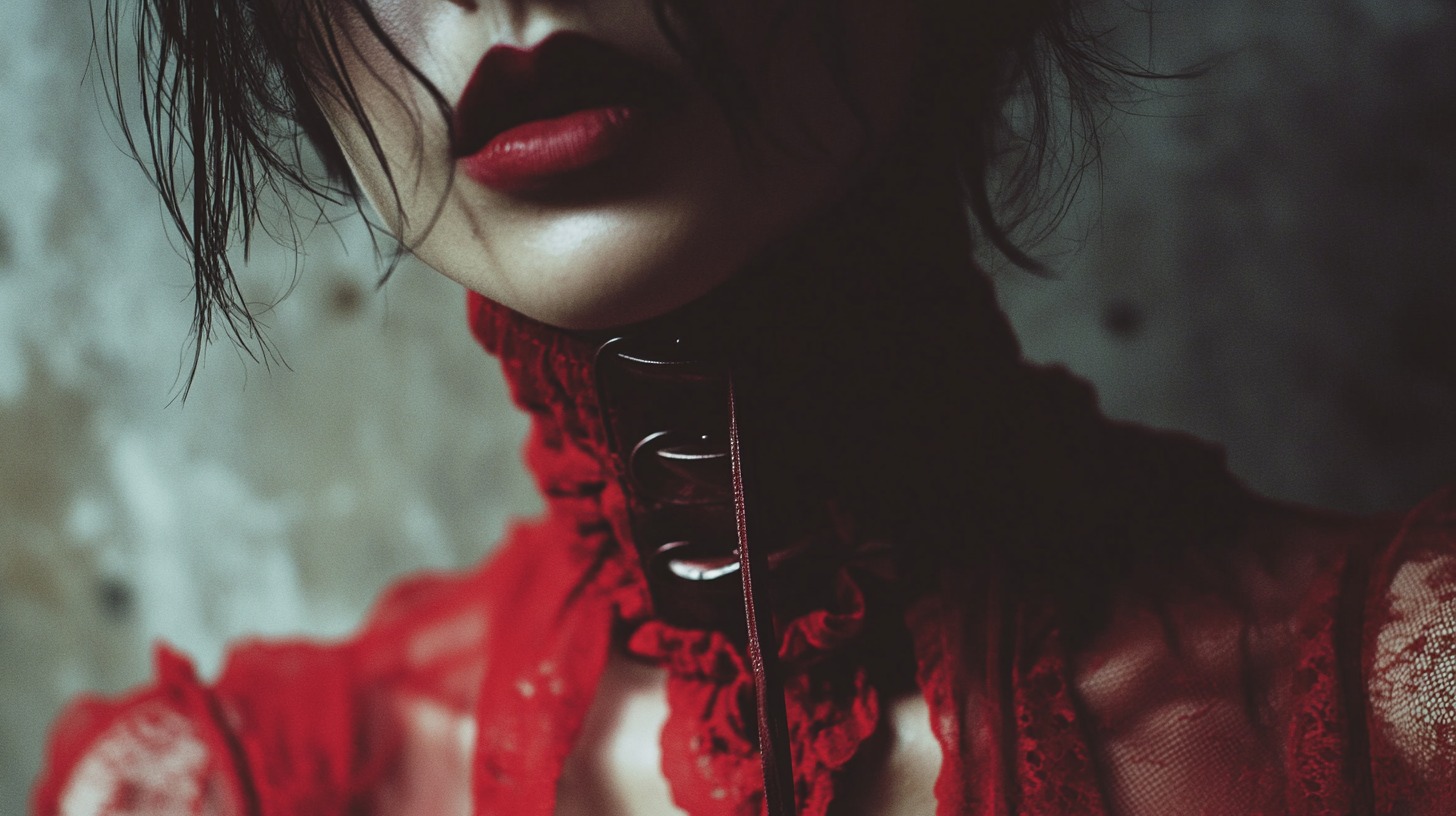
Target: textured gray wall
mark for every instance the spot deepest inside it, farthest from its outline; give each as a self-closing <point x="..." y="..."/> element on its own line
<point x="271" y="502"/>
<point x="1269" y="264"/>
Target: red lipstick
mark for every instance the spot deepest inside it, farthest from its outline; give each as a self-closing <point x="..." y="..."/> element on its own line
<point x="531" y="118"/>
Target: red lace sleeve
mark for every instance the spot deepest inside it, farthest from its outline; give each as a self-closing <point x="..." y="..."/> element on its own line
<point x="1410" y="650"/>
<point x="279" y="733"/>
<point x="161" y="751"/>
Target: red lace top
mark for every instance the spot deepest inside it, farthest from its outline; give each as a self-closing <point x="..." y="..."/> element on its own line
<point x="1099" y="620"/>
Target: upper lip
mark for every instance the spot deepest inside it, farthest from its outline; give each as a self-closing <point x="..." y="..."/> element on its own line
<point x="566" y="72"/>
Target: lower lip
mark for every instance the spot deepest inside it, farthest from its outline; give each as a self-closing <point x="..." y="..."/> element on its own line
<point x="536" y="154"/>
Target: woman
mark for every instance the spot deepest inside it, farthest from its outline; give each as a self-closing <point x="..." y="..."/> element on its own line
<point x="721" y="253"/>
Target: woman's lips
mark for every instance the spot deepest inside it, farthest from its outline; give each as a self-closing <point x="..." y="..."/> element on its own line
<point x="530" y="118"/>
<point x="534" y="153"/>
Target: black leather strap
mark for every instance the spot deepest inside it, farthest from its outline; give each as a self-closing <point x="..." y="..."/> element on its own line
<point x="665" y="406"/>
<point x="773" y="722"/>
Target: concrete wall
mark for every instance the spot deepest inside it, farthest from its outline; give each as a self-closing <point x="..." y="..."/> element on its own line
<point x="1268" y="262"/>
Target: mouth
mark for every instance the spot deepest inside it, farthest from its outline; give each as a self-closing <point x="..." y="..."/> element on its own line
<point x="529" y="117"/>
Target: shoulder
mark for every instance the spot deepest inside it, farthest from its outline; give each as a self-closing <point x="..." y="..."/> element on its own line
<point x="286" y="727"/>
<point x="1274" y="587"/>
<point x="162" y="749"/>
<point x="1410" y="645"/>
<point x="1257" y="607"/>
<point x="279" y="731"/>
<point x="294" y="726"/>
<point x="1266" y="659"/>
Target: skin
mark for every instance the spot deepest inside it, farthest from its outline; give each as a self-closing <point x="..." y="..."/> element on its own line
<point x="658" y="226"/>
<point x="640" y="236"/>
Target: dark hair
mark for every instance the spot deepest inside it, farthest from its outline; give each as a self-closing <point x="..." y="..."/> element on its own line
<point x="228" y="109"/>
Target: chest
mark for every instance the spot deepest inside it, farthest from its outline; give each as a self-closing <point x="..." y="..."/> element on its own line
<point x="1164" y="734"/>
<point x="615" y="769"/>
<point x="1167" y="738"/>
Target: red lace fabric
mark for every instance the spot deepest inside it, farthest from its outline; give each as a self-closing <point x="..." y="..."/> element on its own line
<point x="1114" y="628"/>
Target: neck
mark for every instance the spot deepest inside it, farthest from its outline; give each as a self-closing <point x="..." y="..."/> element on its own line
<point x="857" y="347"/>
<point x="884" y="394"/>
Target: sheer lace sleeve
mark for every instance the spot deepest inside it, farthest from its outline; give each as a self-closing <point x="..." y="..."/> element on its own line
<point x="161" y="751"/>
<point x="1411" y="664"/>
<point x="280" y="732"/>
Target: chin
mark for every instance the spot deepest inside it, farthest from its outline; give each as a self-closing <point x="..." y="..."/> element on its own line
<point x="603" y="284"/>
<point x="617" y="263"/>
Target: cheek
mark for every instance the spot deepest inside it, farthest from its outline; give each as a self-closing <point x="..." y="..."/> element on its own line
<point x="400" y="159"/>
<point x="400" y="18"/>
<point x="389" y="170"/>
<point x="394" y="161"/>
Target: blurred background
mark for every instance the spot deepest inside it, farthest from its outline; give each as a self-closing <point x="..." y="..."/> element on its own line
<point x="1269" y="262"/>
